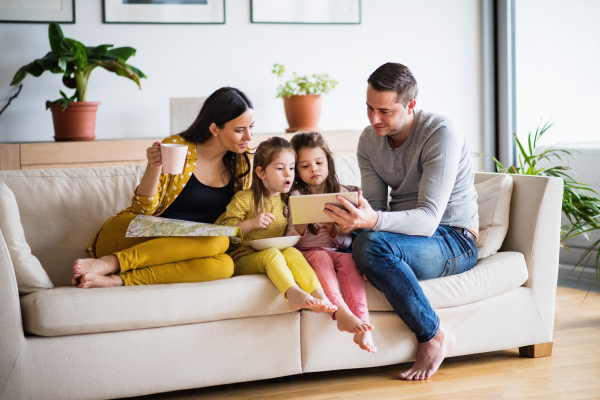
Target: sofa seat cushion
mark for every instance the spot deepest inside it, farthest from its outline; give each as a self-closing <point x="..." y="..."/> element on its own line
<point x="494" y="275"/>
<point x="72" y="311"/>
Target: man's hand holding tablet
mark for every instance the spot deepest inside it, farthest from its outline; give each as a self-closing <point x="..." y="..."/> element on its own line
<point x="359" y="217"/>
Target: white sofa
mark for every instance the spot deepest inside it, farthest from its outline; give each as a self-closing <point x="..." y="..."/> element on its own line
<point x="68" y="343"/>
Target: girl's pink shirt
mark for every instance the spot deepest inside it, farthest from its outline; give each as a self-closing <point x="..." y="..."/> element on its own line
<point x="322" y="239"/>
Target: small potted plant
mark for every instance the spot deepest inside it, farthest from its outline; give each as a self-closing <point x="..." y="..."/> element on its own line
<point x="302" y="98"/>
<point x="74" y="117"/>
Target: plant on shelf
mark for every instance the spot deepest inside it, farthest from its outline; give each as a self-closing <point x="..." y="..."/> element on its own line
<point x="580" y="205"/>
<point x="76" y="62"/>
<point x="302" y="98"/>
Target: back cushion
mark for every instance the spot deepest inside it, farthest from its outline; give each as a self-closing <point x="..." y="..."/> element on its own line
<point x="493" y="202"/>
<point x="63" y="209"/>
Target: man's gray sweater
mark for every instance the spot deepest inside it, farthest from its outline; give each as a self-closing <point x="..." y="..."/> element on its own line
<point x="430" y="177"/>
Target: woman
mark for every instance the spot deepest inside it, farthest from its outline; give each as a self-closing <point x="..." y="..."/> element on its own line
<point x="217" y="166"/>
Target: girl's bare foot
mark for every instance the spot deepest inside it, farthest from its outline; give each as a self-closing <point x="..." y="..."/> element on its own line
<point x="364" y="340"/>
<point x="298" y="298"/>
<point x="98" y="281"/>
<point x="326" y="305"/>
<point x="101" y="266"/>
<point x="430" y="355"/>
<point x="348" y="322"/>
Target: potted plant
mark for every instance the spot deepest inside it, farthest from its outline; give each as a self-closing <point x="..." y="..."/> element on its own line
<point x="302" y="98"/>
<point x="74" y="117"/>
<point x="580" y="205"/>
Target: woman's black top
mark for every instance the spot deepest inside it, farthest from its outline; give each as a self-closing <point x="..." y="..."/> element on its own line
<point x="199" y="203"/>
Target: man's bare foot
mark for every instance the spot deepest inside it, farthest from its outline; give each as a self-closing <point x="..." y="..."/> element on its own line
<point x="88" y="281"/>
<point x="298" y="298"/>
<point x="326" y="305"/>
<point x="430" y="355"/>
<point x="365" y="341"/>
<point x="101" y="266"/>
<point x="348" y="322"/>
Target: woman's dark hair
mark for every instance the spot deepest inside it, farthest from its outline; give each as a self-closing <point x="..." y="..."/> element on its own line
<point x="264" y="155"/>
<point x="311" y="140"/>
<point x="397" y="78"/>
<point x="219" y="108"/>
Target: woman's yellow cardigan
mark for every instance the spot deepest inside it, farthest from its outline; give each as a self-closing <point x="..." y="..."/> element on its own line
<point x="169" y="187"/>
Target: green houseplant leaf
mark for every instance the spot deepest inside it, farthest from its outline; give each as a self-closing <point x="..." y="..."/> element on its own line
<point x="580" y="203"/>
<point x="302" y="85"/>
<point x="76" y="62"/>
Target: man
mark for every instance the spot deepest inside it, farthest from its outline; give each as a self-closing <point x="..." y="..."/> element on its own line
<point x="430" y="225"/>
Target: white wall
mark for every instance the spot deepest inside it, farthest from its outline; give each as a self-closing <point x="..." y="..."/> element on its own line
<point x="557" y="58"/>
<point x="438" y="39"/>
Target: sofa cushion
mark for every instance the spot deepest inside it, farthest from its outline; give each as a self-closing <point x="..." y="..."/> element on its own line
<point x="72" y="311"/>
<point x="492" y="276"/>
<point x="493" y="202"/>
<point x="63" y="209"/>
<point x="30" y="274"/>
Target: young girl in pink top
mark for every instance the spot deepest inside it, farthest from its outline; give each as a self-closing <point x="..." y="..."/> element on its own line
<point x="315" y="174"/>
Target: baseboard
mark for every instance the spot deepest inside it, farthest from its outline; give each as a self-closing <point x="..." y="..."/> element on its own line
<point x="572" y="273"/>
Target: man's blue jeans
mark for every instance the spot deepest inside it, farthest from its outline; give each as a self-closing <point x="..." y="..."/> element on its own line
<point x="393" y="263"/>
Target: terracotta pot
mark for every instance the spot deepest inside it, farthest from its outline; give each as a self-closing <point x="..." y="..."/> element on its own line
<point x="303" y="112"/>
<point x="76" y="123"/>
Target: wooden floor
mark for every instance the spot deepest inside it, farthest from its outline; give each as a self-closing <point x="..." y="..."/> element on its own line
<point x="573" y="371"/>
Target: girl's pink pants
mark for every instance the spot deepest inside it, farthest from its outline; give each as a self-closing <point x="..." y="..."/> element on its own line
<point x="326" y="264"/>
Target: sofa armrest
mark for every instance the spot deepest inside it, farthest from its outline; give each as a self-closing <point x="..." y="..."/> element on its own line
<point x="12" y="338"/>
<point x="534" y="231"/>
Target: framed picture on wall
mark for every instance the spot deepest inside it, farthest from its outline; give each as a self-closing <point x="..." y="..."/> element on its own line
<point x="305" y="11"/>
<point x="42" y="11"/>
<point x="164" y="11"/>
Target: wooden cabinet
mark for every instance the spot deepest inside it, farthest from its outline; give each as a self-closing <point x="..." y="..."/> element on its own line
<point x="107" y="153"/>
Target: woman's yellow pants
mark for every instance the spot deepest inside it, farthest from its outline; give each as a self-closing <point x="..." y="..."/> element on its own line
<point x="153" y="261"/>
<point x="284" y="268"/>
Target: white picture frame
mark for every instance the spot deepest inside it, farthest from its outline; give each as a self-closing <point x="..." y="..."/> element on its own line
<point x="119" y="12"/>
<point x="37" y="11"/>
<point x="305" y="11"/>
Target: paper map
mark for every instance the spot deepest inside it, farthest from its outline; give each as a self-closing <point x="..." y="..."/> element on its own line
<point x="149" y="226"/>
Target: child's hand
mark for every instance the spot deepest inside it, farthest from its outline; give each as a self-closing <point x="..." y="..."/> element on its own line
<point x="262" y="220"/>
<point x="330" y="227"/>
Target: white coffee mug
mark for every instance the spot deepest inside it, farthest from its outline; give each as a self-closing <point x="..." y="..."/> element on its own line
<point x="173" y="157"/>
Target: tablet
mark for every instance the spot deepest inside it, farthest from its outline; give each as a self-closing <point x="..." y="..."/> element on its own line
<point x="308" y="209"/>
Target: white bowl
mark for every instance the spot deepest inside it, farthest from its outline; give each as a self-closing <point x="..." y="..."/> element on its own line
<point x="280" y="243"/>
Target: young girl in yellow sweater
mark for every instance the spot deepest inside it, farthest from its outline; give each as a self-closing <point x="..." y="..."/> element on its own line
<point x="272" y="177"/>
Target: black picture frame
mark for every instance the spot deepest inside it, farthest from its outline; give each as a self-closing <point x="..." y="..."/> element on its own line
<point x="255" y="19"/>
<point x="32" y="16"/>
<point x="110" y="8"/>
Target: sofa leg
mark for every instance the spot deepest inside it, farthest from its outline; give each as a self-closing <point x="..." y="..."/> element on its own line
<point x="282" y="379"/>
<point x="536" y="350"/>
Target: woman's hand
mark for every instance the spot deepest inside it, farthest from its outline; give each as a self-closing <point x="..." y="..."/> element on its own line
<point x="154" y="156"/>
<point x="331" y="228"/>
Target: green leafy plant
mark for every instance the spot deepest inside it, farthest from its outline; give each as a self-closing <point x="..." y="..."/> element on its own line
<point x="76" y="62"/>
<point x="580" y="205"/>
<point x="302" y="85"/>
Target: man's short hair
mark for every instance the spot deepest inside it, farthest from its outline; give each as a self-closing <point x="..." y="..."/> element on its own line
<point x="395" y="77"/>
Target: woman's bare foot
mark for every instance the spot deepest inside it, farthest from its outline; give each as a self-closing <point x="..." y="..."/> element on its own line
<point x="364" y="340"/>
<point x="101" y="266"/>
<point x="298" y="298"/>
<point x="326" y="305"/>
<point x="348" y="322"/>
<point x="88" y="281"/>
<point x="430" y="355"/>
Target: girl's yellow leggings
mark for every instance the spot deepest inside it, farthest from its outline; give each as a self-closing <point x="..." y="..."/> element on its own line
<point x="152" y="261"/>
<point x="284" y="268"/>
